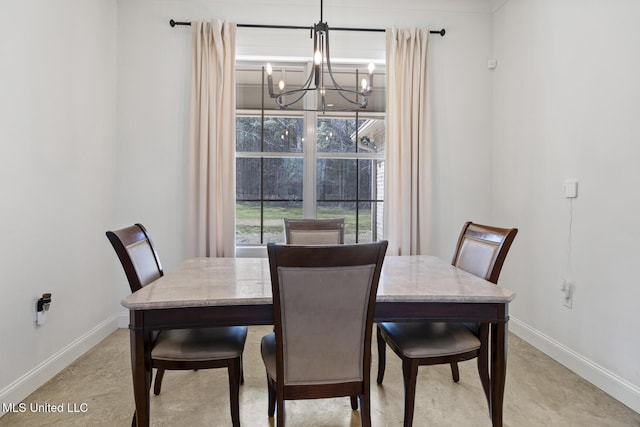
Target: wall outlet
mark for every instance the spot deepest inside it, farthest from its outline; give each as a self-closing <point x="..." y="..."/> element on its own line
<point x="571" y="188"/>
<point x="42" y="307"/>
<point x="567" y="288"/>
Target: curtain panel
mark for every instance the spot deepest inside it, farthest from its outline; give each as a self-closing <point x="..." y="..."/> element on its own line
<point x="407" y="215"/>
<point x="211" y="180"/>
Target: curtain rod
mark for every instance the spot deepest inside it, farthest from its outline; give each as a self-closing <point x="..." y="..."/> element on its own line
<point x="294" y="27"/>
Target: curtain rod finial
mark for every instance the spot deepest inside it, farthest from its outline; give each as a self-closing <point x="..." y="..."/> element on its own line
<point x="172" y="23"/>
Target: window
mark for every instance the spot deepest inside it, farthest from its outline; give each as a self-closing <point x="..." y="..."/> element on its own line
<point x="304" y="164"/>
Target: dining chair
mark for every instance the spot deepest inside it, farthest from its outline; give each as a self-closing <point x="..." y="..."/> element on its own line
<point x="481" y="251"/>
<point x="314" y="231"/>
<point x="323" y="307"/>
<point x="180" y="349"/>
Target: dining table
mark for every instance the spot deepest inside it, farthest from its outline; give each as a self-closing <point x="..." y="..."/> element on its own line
<point x="206" y="292"/>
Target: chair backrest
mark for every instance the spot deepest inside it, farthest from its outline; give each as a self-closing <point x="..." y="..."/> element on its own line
<point x="137" y="255"/>
<point x="324" y="301"/>
<point x="314" y="231"/>
<point x="482" y="249"/>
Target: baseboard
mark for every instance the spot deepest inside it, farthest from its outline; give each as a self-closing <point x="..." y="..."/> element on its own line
<point x="607" y="381"/>
<point x="123" y="319"/>
<point x="34" y="379"/>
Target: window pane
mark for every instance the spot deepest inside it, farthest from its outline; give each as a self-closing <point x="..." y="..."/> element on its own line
<point x="274" y="212"/>
<point x="249" y="87"/>
<point x="371" y="179"/>
<point x="365" y="191"/>
<point x="339" y="135"/>
<point x="283" y="178"/>
<point x="248" y="179"/>
<point x="371" y="136"/>
<point x="248" y="133"/>
<point x="281" y="134"/>
<point x="252" y="216"/>
<point x="336" y="135"/>
<point x="346" y="210"/>
<point x="367" y="222"/>
<point x="336" y="179"/>
<point x="248" y="223"/>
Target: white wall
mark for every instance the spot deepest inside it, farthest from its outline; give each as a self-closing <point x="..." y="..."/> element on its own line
<point x="566" y="105"/>
<point x="57" y="168"/>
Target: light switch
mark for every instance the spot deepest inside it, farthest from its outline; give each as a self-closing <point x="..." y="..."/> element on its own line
<point x="571" y="188"/>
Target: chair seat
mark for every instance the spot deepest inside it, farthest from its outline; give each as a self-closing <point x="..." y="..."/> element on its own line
<point x="200" y="344"/>
<point x="428" y="339"/>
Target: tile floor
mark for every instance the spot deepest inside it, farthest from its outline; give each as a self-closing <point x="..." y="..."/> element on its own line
<point x="539" y="392"/>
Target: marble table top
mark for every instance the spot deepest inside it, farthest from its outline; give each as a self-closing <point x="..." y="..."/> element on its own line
<point x="202" y="282"/>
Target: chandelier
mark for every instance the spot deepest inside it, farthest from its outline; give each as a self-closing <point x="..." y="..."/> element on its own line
<point x="321" y="80"/>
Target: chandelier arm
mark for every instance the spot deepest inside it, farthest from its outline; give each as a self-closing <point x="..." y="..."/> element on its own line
<point x="306" y="86"/>
<point x="289" y="93"/>
<point x="339" y="88"/>
<point x="282" y="104"/>
<point x="272" y="93"/>
<point x="341" y="91"/>
<point x="361" y="104"/>
<point x="335" y="83"/>
<point x="285" y="106"/>
<point x="307" y="83"/>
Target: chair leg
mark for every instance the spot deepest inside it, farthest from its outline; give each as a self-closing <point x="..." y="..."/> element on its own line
<point x="280" y="407"/>
<point x="410" y="375"/>
<point x="365" y="409"/>
<point x="241" y="371"/>
<point x="133" y="420"/>
<point x="354" y="403"/>
<point x="234" y="391"/>
<point x="271" y="393"/>
<point x="157" y="384"/>
<point x="455" y="373"/>
<point x="381" y="354"/>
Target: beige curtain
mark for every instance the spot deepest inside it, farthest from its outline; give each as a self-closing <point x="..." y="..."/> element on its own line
<point x="211" y="196"/>
<point x="407" y="218"/>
